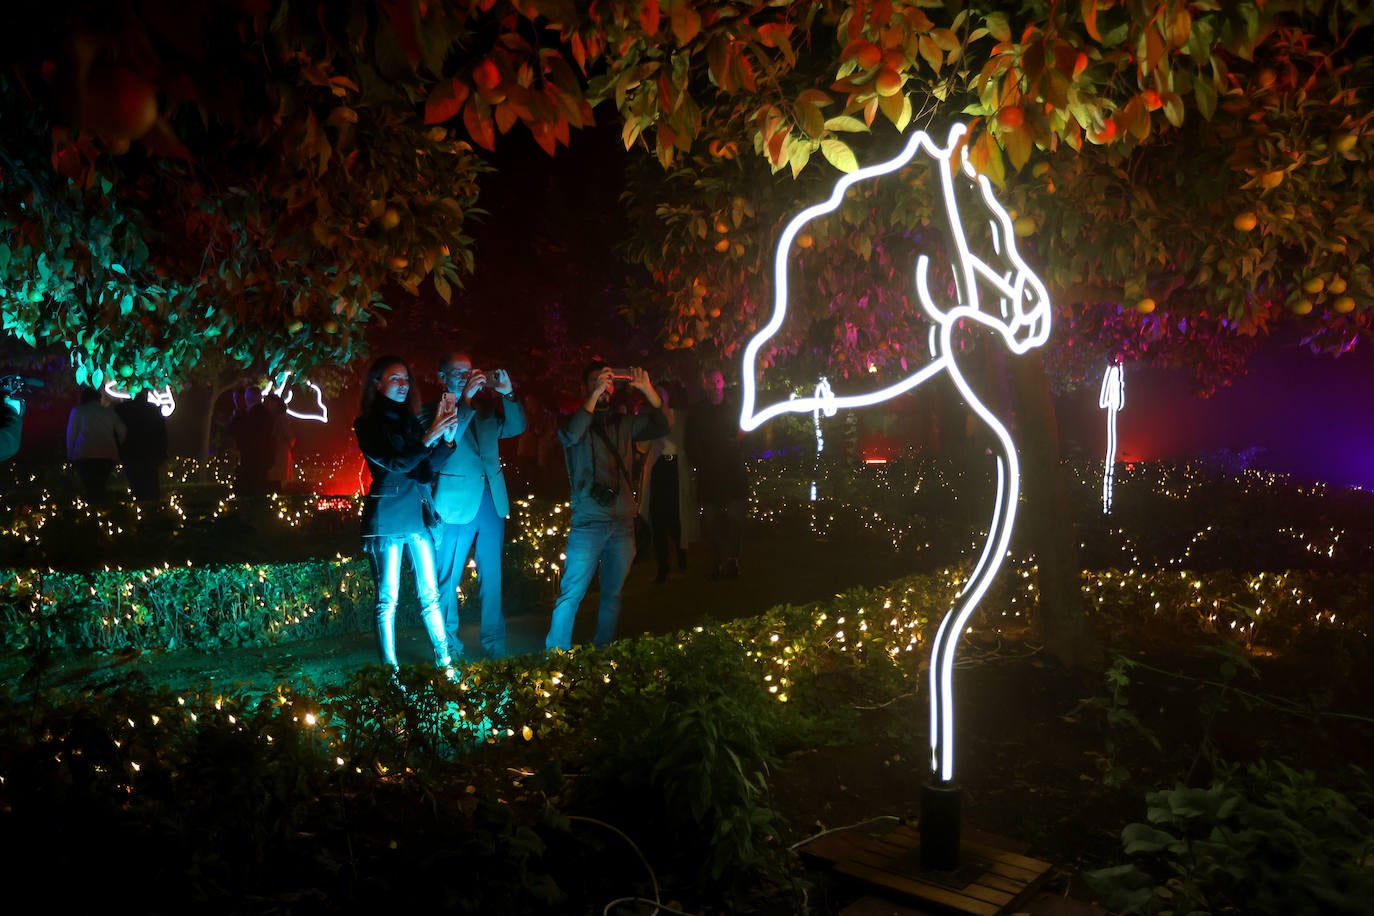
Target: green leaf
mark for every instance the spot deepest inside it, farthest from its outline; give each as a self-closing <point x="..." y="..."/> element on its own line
<point x="1138" y="838"/>
<point x="1206" y="98"/>
<point x="838" y="154"/>
<point x="839" y="123"/>
<point x="999" y="25"/>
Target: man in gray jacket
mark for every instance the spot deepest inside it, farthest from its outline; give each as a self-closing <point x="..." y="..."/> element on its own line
<point x="598" y="446"/>
<point x="470" y="494"/>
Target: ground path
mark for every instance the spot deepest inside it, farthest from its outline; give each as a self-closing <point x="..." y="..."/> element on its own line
<point x="784" y="562"/>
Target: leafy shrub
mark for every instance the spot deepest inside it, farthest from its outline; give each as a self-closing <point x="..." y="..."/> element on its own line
<point x="1263" y="839"/>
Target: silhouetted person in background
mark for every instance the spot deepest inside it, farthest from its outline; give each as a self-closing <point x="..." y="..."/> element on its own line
<point x="94" y="435"/>
<point x="716" y="446"/>
<point x="145" y="445"/>
<point x="250" y="427"/>
<point x="667" y="502"/>
<point x="279" y="471"/>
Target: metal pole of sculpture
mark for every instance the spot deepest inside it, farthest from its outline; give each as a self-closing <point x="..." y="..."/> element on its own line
<point x="1022" y="322"/>
<point x="1111" y="399"/>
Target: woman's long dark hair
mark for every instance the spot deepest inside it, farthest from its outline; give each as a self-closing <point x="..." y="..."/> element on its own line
<point x="374" y="376"/>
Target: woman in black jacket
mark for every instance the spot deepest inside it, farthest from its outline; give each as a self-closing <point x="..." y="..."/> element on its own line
<point x="399" y="451"/>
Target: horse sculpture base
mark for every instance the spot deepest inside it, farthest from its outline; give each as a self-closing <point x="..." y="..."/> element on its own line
<point x="887" y="860"/>
<point x="941" y="826"/>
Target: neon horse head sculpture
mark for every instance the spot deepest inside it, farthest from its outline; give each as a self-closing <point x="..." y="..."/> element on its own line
<point x="316" y="412"/>
<point x="997" y="291"/>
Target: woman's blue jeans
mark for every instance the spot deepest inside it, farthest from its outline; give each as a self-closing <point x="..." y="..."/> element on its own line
<point x="385" y="554"/>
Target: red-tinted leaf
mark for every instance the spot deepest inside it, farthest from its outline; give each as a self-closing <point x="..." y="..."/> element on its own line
<point x="445" y="101"/>
<point x="477" y="119"/>
<point x="649" y="17"/>
<point x="1089" y="9"/>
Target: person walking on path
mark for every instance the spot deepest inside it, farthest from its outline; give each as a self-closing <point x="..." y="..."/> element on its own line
<point x="397" y="514"/>
<point x="470" y="493"/>
<point x="94" y="435"/>
<point x="598" y="448"/>
<point x="716" y="446"/>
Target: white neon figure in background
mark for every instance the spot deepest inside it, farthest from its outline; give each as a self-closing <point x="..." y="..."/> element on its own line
<point x="825" y="403"/>
<point x="1111" y="399"/>
<point x="319" y="414"/>
<point x="1023" y="321"/>
<point x="162" y="400"/>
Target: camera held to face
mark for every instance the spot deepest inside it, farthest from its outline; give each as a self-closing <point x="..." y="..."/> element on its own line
<point x="605" y="495"/>
<point x="19" y="386"/>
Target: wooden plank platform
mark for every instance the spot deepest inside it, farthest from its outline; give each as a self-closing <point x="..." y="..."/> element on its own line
<point x="988" y="881"/>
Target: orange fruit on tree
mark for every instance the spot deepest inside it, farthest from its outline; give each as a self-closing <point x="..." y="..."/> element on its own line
<point x="1271" y="180"/>
<point x="390" y="218"/>
<point x="1024" y="226"/>
<point x="805" y="240"/>
<point x="1313" y="285"/>
<point x="1153" y="100"/>
<point x="869" y="55"/>
<point x="1336" y="286"/>
<point x="1301" y="307"/>
<point x="486" y="75"/>
<point x="723" y="245"/>
<point x="1011" y="117"/>
<point x="722" y="227"/>
<point x="1106" y="135"/>
<point x="1245" y="221"/>
<point x="1145" y="306"/>
<point x="888" y="83"/>
<point x="1343" y="305"/>
<point x="331" y="327"/>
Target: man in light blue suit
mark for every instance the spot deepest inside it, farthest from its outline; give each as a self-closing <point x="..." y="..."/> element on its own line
<point x="470" y="494"/>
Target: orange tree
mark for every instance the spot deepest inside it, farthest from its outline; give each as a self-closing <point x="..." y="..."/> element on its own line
<point x="247" y="175"/>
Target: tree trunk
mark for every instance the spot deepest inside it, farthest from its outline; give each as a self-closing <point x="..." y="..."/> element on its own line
<point x="1046" y="524"/>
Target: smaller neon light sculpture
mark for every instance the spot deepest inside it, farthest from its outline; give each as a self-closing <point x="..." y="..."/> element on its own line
<point x="318" y="413"/>
<point x="1111" y="399"/>
<point x="1022" y="320"/>
<point x="163" y="400"/>
<point x="825" y="403"/>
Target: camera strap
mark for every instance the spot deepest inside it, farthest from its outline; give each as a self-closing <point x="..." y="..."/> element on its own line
<point x="599" y="427"/>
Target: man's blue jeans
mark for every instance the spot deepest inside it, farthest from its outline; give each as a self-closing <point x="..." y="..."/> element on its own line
<point x="609" y="543"/>
<point x="488" y="531"/>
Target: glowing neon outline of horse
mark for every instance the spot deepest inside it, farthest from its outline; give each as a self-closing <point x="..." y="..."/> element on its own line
<point x="322" y="416"/>
<point x="1021" y="330"/>
<point x="163" y="400"/>
<point x="1111" y="398"/>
